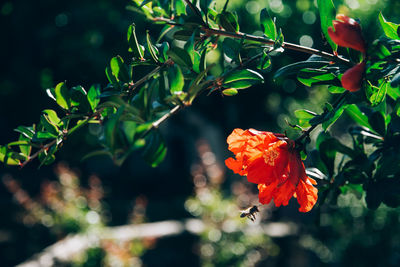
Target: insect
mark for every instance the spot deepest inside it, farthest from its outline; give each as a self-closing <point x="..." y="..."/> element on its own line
<point x="250" y="213"/>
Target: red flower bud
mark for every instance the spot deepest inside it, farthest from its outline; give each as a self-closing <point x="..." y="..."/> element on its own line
<point x="352" y="78"/>
<point x="271" y="161"/>
<point x="347" y="33"/>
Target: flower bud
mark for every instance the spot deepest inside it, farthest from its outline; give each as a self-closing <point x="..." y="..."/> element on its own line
<point x="352" y="78"/>
<point x="347" y="33"/>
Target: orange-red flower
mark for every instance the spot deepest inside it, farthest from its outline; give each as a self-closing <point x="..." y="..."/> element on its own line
<point x="271" y="161"/>
<point x="352" y="78"/>
<point x="347" y="33"/>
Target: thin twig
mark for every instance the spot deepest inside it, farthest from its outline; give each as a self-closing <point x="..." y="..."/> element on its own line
<point x="309" y="130"/>
<point x="286" y="45"/>
<point x="148" y="76"/>
<point x="35" y="155"/>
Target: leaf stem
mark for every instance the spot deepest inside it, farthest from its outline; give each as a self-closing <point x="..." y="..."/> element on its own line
<point x="286" y="45"/>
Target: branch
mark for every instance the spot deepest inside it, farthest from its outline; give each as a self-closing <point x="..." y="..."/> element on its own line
<point x="286" y="45"/>
<point x="66" y="249"/>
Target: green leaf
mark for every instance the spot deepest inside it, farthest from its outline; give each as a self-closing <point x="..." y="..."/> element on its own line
<point x="163" y="52"/>
<point x="311" y="77"/>
<point x="333" y="116"/>
<point x="377" y="94"/>
<point x="152" y="49"/>
<point x="176" y="79"/>
<point x="242" y="75"/>
<point x="52" y="116"/>
<point x="265" y="62"/>
<point x="180" y="57"/>
<point x="304" y="114"/>
<point x="336" y="89"/>
<point x="228" y="21"/>
<point x="395" y="82"/>
<point x="25" y="149"/>
<point x="327" y="14"/>
<point x="79" y="99"/>
<point x="296" y="67"/>
<point x="389" y="28"/>
<point x="230" y="92"/>
<point x="204" y="4"/>
<point x="358" y="116"/>
<point x="155" y="150"/>
<point x="48" y="125"/>
<point x="62" y="96"/>
<point x="268" y="25"/>
<point x="47" y="156"/>
<point x="134" y="45"/>
<point x="28" y="132"/>
<point x="93" y="96"/>
<point x="327" y="151"/>
<point x="231" y="49"/>
<point x="9" y="157"/>
<point x="119" y="69"/>
<point x="111" y="78"/>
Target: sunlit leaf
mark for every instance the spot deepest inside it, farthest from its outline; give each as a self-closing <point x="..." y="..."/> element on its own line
<point x="327" y="14"/>
<point x="268" y="25"/>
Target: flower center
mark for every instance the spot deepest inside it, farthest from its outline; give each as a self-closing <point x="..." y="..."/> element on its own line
<point x="270" y="156"/>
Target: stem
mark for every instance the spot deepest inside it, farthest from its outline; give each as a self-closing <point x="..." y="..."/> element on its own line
<point x="157" y="123"/>
<point x="309" y="130"/>
<point x="286" y="45"/>
<point x="45" y="147"/>
<point x="148" y="76"/>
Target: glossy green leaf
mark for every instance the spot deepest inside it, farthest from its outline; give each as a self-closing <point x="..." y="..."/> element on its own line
<point x="9" y="157"/>
<point x="26" y="147"/>
<point x="296" y="67"/>
<point x="180" y="57"/>
<point x="134" y="45"/>
<point x="265" y="62"/>
<point x="389" y="28"/>
<point x="48" y="125"/>
<point x="93" y="96"/>
<point x="47" y="156"/>
<point x="119" y="69"/>
<point x="358" y="116"/>
<point x="176" y="79"/>
<point x="26" y="131"/>
<point x="228" y="21"/>
<point x="231" y="49"/>
<point x="332" y="117"/>
<point x="268" y="25"/>
<point x="230" y="92"/>
<point x="163" y="52"/>
<point x="62" y="96"/>
<point x="151" y="48"/>
<point x="242" y="75"/>
<point x="327" y="14"/>
<point x="304" y="114"/>
<point x="377" y="94"/>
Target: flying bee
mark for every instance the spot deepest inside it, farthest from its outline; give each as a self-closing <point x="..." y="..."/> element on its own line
<point x="250" y="213"/>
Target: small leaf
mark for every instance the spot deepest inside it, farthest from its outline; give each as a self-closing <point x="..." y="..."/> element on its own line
<point x="327" y="14"/>
<point x="304" y="114"/>
<point x="111" y="127"/>
<point x="242" y="75"/>
<point x="153" y="50"/>
<point x="48" y="125"/>
<point x="296" y="67"/>
<point x="134" y="45"/>
<point x="93" y="96"/>
<point x="52" y="116"/>
<point x="228" y="21"/>
<point x="176" y="79"/>
<point x="180" y="57"/>
<point x="268" y="25"/>
<point x="62" y="96"/>
<point x="119" y="69"/>
<point x="230" y="92"/>
<point x="389" y="28"/>
<point x="26" y="131"/>
<point x="9" y="157"/>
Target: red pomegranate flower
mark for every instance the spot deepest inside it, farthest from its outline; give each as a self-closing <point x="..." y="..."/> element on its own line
<point x="271" y="161"/>
<point x="347" y="33"/>
<point x="352" y="78"/>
